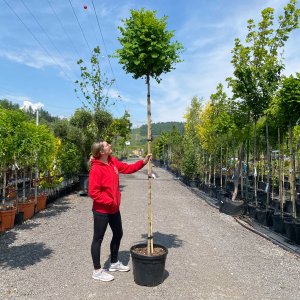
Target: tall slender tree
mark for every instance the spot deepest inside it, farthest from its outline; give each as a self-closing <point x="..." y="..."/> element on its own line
<point x="258" y="63"/>
<point x="147" y="51"/>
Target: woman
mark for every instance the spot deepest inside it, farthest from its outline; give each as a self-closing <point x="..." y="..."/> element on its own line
<point x="104" y="189"/>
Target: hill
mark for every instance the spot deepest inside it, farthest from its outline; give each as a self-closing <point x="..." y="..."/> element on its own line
<point x="139" y="135"/>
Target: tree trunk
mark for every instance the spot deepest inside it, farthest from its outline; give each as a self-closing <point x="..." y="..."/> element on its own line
<point x="215" y="169"/>
<point x="279" y="173"/>
<point x="24" y="185"/>
<point x="292" y="172"/>
<point x="238" y="172"/>
<point x="226" y="164"/>
<point x="209" y="170"/>
<point x="4" y="185"/>
<point x="150" y="218"/>
<point x="269" y="166"/>
<point x="254" y="165"/>
<point x="221" y="171"/>
<point x="247" y="170"/>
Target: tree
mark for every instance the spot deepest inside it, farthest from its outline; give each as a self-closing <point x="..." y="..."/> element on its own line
<point x="289" y="107"/>
<point x="147" y="51"/>
<point x="191" y="142"/>
<point x="93" y="117"/>
<point x="119" y="131"/>
<point x="94" y="83"/>
<point x="10" y="124"/>
<point x="258" y="64"/>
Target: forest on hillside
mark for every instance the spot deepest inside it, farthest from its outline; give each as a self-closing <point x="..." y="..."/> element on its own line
<point x="159" y="128"/>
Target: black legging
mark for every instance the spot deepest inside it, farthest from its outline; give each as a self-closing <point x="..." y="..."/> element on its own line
<point x="100" y="225"/>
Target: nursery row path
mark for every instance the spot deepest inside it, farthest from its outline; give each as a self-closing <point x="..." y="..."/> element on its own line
<point x="210" y="255"/>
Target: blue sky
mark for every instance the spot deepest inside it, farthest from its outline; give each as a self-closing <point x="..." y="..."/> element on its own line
<point x="42" y="40"/>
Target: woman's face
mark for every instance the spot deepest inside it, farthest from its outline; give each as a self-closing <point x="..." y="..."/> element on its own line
<point x="106" y="148"/>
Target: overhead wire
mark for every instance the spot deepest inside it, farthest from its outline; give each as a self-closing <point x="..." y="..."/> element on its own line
<point x="86" y="41"/>
<point x="64" y="30"/>
<point x="37" y="40"/>
<point x="43" y="30"/>
<point x="61" y="24"/>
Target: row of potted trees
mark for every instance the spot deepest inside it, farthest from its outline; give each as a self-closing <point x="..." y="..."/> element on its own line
<point x="14" y="209"/>
<point x="275" y="214"/>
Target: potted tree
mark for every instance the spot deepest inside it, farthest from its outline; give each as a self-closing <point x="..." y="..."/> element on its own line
<point x="47" y="148"/>
<point x="93" y="119"/>
<point x="257" y="69"/>
<point x="147" y="52"/>
<point x="9" y="123"/>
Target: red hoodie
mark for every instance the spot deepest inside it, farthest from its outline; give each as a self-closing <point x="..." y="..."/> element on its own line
<point x="104" y="183"/>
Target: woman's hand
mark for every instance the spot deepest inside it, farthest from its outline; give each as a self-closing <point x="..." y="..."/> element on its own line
<point x="147" y="158"/>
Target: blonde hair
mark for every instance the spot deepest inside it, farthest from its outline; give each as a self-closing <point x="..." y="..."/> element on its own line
<point x="97" y="147"/>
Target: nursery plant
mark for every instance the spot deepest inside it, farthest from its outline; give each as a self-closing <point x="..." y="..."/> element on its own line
<point x="147" y="52"/>
<point x="258" y="64"/>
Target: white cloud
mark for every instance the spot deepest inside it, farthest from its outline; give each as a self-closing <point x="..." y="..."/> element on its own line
<point x="27" y="104"/>
<point x="39" y="60"/>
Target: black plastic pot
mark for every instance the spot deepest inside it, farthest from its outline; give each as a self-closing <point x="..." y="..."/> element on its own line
<point x="232" y="208"/>
<point x="290" y="229"/>
<point x="148" y="270"/>
<point x="297" y="231"/>
<point x="252" y="210"/>
<point x="261" y="216"/>
<point x="278" y="225"/>
<point x="83" y="181"/>
<point x="19" y="218"/>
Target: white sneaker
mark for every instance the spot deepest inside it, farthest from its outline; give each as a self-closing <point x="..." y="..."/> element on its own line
<point x="102" y="275"/>
<point x="118" y="266"/>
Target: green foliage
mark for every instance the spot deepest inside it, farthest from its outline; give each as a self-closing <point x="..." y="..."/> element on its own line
<point x="6" y="104"/>
<point x="288" y="101"/>
<point x="103" y="120"/>
<point x="258" y="64"/>
<point x="191" y="142"/>
<point x="120" y="130"/>
<point x="146" y="45"/>
<point x="70" y="159"/>
<point x="160" y="127"/>
<point x="94" y="84"/>
<point x="189" y="158"/>
<point x="10" y="124"/>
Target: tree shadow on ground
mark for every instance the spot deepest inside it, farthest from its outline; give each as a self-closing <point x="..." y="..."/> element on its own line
<point x="7" y="238"/>
<point x="20" y="256"/>
<point x="167" y="240"/>
<point x="58" y="207"/>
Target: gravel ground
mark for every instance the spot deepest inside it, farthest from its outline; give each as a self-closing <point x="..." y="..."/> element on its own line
<point x="210" y="255"/>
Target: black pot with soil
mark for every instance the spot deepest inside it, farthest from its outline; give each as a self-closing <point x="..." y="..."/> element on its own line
<point x="148" y="270"/>
<point x="232" y="208"/>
